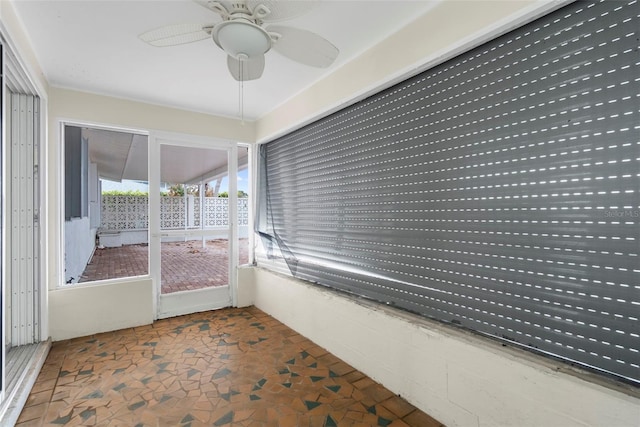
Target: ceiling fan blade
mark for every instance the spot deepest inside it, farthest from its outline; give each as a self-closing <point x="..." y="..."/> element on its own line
<point x="249" y="69"/>
<point x="172" y="35"/>
<point x="303" y="46"/>
<point x="221" y="7"/>
<point x="279" y="10"/>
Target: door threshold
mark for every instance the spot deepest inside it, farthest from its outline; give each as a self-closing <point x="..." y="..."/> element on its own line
<point x="23" y="365"/>
<point x="186" y="302"/>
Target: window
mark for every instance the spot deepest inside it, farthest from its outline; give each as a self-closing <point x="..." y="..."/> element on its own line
<point x="106" y="204"/>
<point x="497" y="191"/>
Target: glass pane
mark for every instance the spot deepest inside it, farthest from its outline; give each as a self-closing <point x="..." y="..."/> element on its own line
<point x="194" y="264"/>
<point x="106" y="205"/>
<point x="243" y="205"/>
<point x="194" y="200"/>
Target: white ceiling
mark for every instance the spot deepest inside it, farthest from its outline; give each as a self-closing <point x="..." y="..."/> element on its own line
<point x="93" y="46"/>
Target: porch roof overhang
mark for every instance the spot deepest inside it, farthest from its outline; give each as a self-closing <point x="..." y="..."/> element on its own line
<point x="123" y="156"/>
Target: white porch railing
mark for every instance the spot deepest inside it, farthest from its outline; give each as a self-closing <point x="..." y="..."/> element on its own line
<point x="128" y="213"/>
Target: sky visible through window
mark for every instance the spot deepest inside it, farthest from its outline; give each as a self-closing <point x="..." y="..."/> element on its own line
<point x="126" y="185"/>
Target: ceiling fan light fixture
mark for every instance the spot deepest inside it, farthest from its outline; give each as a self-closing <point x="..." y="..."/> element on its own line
<point x="240" y="37"/>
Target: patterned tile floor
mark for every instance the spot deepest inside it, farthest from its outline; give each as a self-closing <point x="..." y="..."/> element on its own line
<point x="185" y="265"/>
<point x="231" y="367"/>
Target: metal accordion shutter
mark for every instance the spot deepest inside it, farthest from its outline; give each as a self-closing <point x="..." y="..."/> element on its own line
<point x="497" y="191"/>
<point x="24" y="230"/>
<point x="21" y="206"/>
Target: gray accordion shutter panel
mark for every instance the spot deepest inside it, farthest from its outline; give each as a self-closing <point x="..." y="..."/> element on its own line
<point x="498" y="191"/>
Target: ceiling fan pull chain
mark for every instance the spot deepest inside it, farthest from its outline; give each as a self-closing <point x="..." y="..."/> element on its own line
<point x="241" y="89"/>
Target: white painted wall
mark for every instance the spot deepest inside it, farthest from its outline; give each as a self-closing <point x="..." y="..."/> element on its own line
<point x="133" y="237"/>
<point x="185" y="302"/>
<point x="78" y="246"/>
<point x="82" y="310"/>
<point x="458" y="378"/>
<point x="246" y="286"/>
<point x="100" y="109"/>
<point x="451" y="27"/>
<point x="11" y="27"/>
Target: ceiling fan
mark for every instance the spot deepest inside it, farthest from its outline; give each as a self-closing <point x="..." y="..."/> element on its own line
<point x="245" y="36"/>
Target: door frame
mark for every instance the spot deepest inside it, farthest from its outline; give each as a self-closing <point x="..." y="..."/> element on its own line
<point x="185" y="302"/>
<point x="16" y="77"/>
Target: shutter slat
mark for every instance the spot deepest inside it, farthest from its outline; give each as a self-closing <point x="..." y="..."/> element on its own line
<point x="499" y="191"/>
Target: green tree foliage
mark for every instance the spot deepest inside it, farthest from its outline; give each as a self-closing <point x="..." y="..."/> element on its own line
<point x="241" y="194"/>
<point x="177" y="190"/>
<point x="125" y="193"/>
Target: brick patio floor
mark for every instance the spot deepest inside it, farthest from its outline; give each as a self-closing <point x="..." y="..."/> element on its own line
<point x="185" y="265"/>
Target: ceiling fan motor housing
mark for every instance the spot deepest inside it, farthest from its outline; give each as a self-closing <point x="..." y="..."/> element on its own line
<point x="240" y="36"/>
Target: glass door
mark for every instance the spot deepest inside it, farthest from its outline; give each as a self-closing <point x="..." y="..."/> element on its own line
<point x="194" y="239"/>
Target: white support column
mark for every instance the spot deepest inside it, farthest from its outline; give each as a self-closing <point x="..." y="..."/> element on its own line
<point x="251" y="165"/>
<point x="233" y="223"/>
<point x="154" y="220"/>
<point x="201" y="191"/>
<point x="186" y="209"/>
